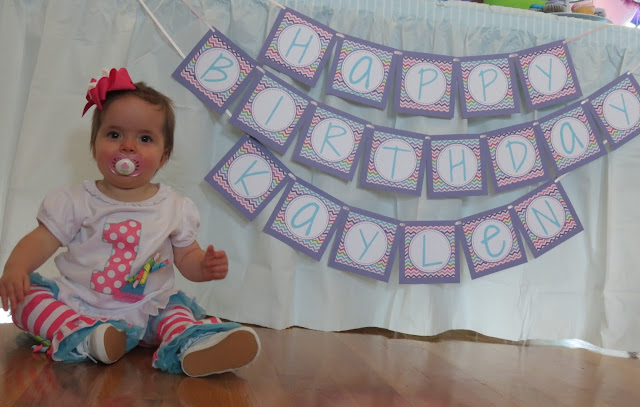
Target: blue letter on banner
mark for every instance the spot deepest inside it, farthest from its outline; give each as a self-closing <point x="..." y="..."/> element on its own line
<point x="220" y="69"/>
<point x="366" y="74"/>
<point x="246" y="174"/>
<point x="327" y="138"/>
<point x="516" y="168"/>
<point x="309" y="222"/>
<point x="452" y="166"/>
<point x="366" y="244"/>
<point x="538" y="214"/>
<point x="295" y="44"/>
<point x="487" y="238"/>
<point x="574" y="138"/>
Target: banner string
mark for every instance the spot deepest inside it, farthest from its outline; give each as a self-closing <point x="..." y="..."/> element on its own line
<point x="277" y="4"/>
<point x="155" y="20"/>
<point x="198" y="15"/>
<point x="584" y="34"/>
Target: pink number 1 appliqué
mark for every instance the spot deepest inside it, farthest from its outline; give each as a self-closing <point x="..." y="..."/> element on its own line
<point x="124" y="237"/>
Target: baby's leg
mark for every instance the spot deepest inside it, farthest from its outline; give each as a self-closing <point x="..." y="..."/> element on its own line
<point x="61" y="330"/>
<point x="200" y="347"/>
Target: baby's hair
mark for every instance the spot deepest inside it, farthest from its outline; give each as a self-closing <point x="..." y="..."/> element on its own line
<point x="148" y="94"/>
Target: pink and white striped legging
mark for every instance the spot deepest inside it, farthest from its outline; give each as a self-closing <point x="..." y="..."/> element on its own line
<point x="42" y="315"/>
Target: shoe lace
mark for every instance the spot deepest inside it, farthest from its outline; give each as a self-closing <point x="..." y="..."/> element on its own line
<point x="83" y="348"/>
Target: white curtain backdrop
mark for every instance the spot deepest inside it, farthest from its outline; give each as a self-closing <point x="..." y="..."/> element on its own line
<point x="587" y="288"/>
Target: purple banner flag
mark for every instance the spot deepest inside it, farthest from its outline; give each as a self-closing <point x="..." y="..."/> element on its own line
<point x="546" y="218"/>
<point x="425" y="85"/>
<point x="570" y="137"/>
<point x="455" y="166"/>
<point x="216" y="71"/>
<point x="331" y="141"/>
<point x="488" y="85"/>
<point x="490" y="242"/>
<point x="248" y="176"/>
<point x="365" y="244"/>
<point x="516" y="157"/>
<point x="361" y="71"/>
<point x="305" y="219"/>
<point x="428" y="253"/>
<point x="617" y="109"/>
<point x="272" y="111"/>
<point x="393" y="161"/>
<point x="298" y="46"/>
<point x="548" y="75"/>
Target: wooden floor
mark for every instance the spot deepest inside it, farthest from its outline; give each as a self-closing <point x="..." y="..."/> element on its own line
<point x="300" y="367"/>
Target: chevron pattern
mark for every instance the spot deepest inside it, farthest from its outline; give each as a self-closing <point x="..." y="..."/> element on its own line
<point x="570" y="223"/>
<point x="442" y="105"/>
<point x="410" y="269"/>
<point x="473" y="105"/>
<point x="246" y="115"/>
<point x="579" y="113"/>
<point x="439" y="184"/>
<point x="222" y="177"/>
<point x="616" y="135"/>
<point x="306" y="151"/>
<point x="568" y="89"/>
<point x="479" y="265"/>
<point x="504" y="179"/>
<point x="273" y="53"/>
<point x="279" y="224"/>
<point x="374" y="177"/>
<point x="189" y="71"/>
<point x="339" y="83"/>
<point x="341" y="255"/>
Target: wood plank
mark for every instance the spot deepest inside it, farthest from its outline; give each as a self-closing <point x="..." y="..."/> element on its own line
<point x="300" y="367"/>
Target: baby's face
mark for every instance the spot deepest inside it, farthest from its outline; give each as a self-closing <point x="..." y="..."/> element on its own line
<point x="129" y="146"/>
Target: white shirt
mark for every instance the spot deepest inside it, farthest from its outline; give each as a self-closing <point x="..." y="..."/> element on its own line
<point x="109" y="241"/>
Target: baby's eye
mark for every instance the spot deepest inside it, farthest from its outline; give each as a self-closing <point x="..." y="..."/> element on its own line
<point x="146" y="139"/>
<point x="113" y="134"/>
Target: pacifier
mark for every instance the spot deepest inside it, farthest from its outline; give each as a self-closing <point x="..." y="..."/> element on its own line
<point x="127" y="165"/>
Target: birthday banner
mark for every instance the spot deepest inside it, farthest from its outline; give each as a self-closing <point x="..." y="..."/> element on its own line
<point x="248" y="176"/>
<point x="425" y="83"/>
<point x="273" y="112"/>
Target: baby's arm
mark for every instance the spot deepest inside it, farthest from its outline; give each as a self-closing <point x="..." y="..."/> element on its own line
<point x="29" y="254"/>
<point x="200" y="265"/>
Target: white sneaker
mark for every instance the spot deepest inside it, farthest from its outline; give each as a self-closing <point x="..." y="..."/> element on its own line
<point x="221" y="352"/>
<point x="105" y="344"/>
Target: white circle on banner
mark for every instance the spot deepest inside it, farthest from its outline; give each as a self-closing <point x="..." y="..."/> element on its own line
<point x="365" y="253"/>
<point x="395" y="160"/>
<point x="621" y="109"/>
<point x="425" y="83"/>
<point x="299" y="45"/>
<point x="217" y="69"/>
<point x="460" y="174"/>
<point x="306" y="217"/>
<point x="273" y="109"/>
<point x="569" y="137"/>
<point x="250" y="176"/>
<point x="515" y="155"/>
<point x="547" y="74"/>
<point x="332" y="140"/>
<point x="548" y="219"/>
<point x="430" y="251"/>
<point x="362" y="71"/>
<point x="492" y="240"/>
<point x="488" y="85"/>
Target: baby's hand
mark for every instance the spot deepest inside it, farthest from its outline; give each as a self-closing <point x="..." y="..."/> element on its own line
<point x="14" y="286"/>
<point x="215" y="264"/>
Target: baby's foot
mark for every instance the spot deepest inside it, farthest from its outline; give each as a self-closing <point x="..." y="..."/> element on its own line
<point x="221" y="352"/>
<point x="105" y="344"/>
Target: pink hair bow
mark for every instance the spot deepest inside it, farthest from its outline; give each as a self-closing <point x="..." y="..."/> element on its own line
<point x="116" y="80"/>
